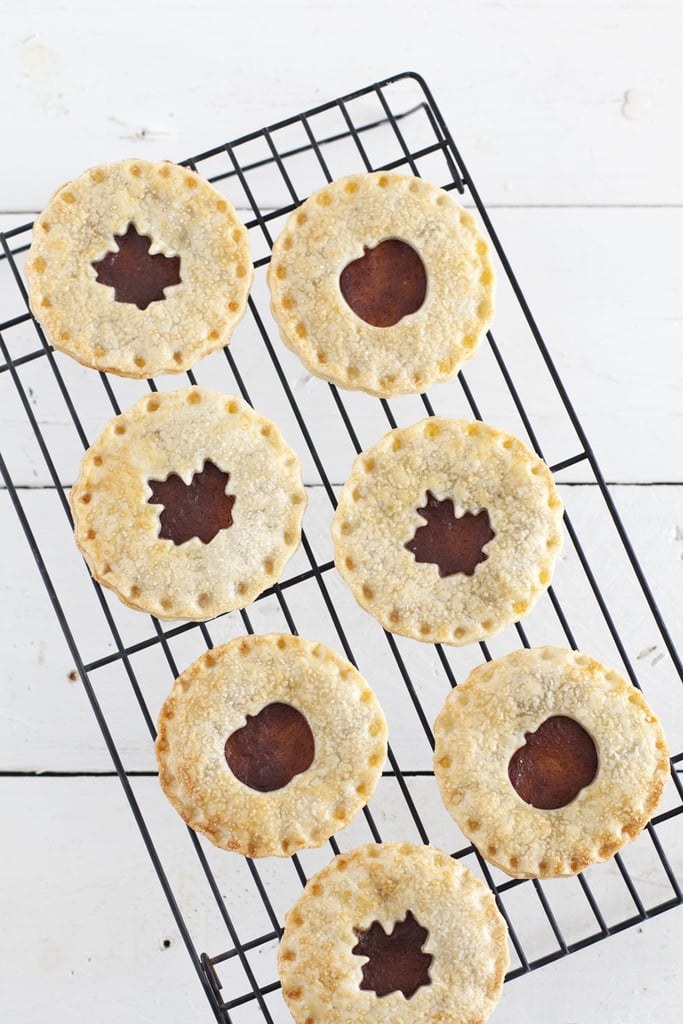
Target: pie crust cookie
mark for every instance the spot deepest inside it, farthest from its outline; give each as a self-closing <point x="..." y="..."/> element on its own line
<point x="235" y="506"/>
<point x="465" y="950"/>
<point x="447" y="530"/>
<point x="228" y="689"/>
<point x="188" y="232"/>
<point x="500" y="710"/>
<point x="349" y="221"/>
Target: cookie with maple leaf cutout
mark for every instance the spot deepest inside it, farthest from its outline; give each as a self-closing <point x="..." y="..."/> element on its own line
<point x="549" y="761"/>
<point x="382" y="283"/>
<point x="189" y="504"/>
<point x="447" y="531"/>
<point x="138" y="268"/>
<point x="393" y="933"/>
<point x="270" y="744"/>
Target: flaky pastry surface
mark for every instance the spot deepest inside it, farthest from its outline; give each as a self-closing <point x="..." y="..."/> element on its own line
<point x="332" y="229"/>
<point x="176" y="432"/>
<point x="212" y="698"/>
<point x="484" y="722"/>
<point x="184" y="216"/>
<point x="381" y="882"/>
<point x="478" y="467"/>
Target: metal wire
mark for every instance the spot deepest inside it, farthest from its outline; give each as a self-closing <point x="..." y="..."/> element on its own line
<point x="355" y="122"/>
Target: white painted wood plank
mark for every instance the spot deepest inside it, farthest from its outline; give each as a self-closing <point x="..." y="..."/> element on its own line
<point x="627" y="980"/>
<point x="602" y="284"/>
<point x="88" y="917"/>
<point x="567" y="102"/>
<point x="89" y="922"/>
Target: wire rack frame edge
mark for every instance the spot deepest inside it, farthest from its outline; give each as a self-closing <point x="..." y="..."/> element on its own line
<point x="357" y="133"/>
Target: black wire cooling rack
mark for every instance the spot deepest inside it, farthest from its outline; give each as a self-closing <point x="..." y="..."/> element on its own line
<point x="599" y="601"/>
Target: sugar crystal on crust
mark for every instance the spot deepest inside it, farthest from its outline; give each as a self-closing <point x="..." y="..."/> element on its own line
<point x="178" y="437"/>
<point x="217" y="696"/>
<point x="430" y="329"/>
<point x="466" y="468"/>
<point x="381" y="885"/>
<point x="184" y="220"/>
<point x="490" y="716"/>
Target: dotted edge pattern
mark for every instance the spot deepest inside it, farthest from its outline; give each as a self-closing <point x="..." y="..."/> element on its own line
<point x="203" y="607"/>
<point x="365" y="592"/>
<point x="250" y="836"/>
<point x="60" y="239"/>
<point x="381" y="881"/>
<point x="534" y="835"/>
<point x="303" y="334"/>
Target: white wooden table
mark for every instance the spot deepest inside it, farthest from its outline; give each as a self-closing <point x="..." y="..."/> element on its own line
<point x="567" y="115"/>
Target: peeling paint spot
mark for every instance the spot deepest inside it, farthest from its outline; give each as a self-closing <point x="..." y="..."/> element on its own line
<point x="135" y="133"/>
<point x="636" y="104"/>
<point x="38" y="59"/>
<point x="42" y="70"/>
<point x="652" y="649"/>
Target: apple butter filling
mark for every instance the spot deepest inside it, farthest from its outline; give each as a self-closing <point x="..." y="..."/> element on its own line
<point x="396" y="962"/>
<point x="453" y="543"/>
<point x="198" y="509"/>
<point x="135" y="275"/>
<point x="275" y="745"/>
<point x="385" y="284"/>
<point x="555" y="764"/>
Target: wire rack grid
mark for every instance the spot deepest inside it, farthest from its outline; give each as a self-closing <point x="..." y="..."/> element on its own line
<point x="127" y="661"/>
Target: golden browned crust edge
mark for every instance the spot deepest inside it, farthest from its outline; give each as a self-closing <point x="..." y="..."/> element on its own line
<point x="381" y="881"/>
<point x="486" y="718"/>
<point x="469" y="461"/>
<point x="116" y="530"/>
<point x="213" y="696"/>
<point x="330" y="230"/>
<point x="185" y="216"/>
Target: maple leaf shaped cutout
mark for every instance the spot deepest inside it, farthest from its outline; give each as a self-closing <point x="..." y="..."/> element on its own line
<point x="198" y="509"/>
<point x="135" y="276"/>
<point x="453" y="543"/>
<point x="395" y="960"/>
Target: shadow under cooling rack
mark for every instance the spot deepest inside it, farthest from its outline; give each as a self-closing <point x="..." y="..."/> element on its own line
<point x="230" y="912"/>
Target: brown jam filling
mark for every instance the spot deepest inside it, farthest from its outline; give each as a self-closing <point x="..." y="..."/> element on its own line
<point x="396" y="962"/>
<point x="385" y="284"/>
<point x="555" y="763"/>
<point x="135" y="276"/>
<point x="453" y="543"/>
<point x="198" y="509"/>
<point x="273" y="747"/>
